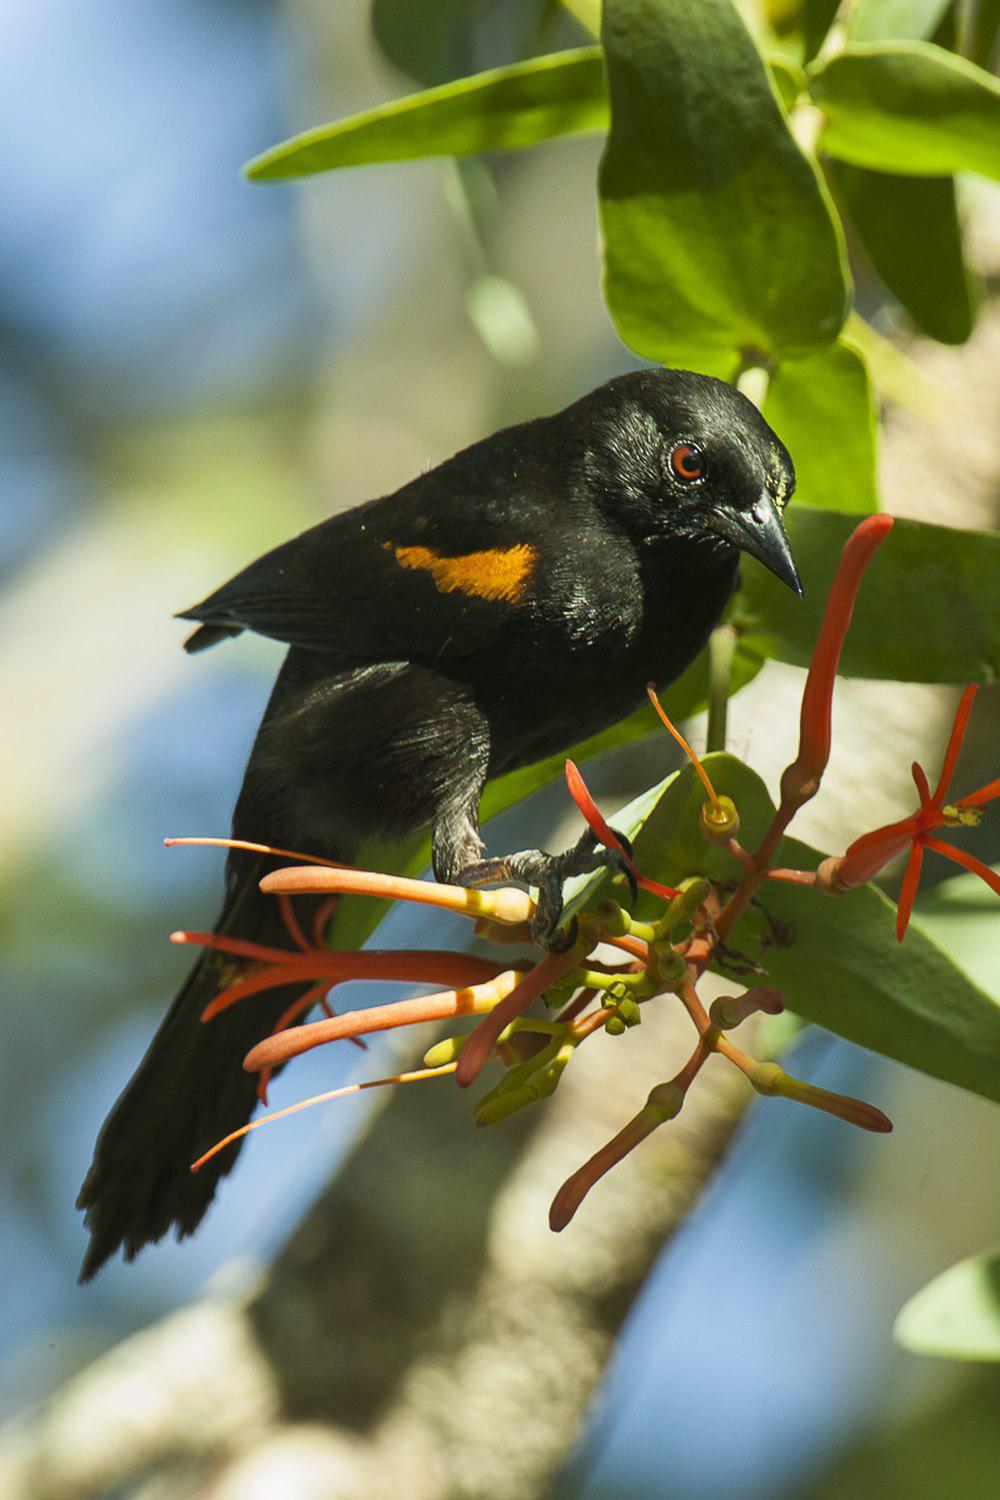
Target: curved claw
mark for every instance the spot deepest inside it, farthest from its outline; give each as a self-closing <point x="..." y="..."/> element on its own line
<point x="617" y="863"/>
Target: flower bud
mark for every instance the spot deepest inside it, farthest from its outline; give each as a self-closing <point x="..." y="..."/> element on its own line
<point x="614" y="921"/>
<point x="670" y="966"/>
<point x="443" y="1052"/>
<point x="769" y="1078"/>
<point x="719" y="821"/>
<point x="729" y="1011"/>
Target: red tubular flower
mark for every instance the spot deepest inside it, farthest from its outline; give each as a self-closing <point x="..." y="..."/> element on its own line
<point x="260" y="968"/>
<point x="474" y="999"/>
<point x="482" y="1041"/>
<point x="867" y="855"/>
<point x="605" y="833"/>
<point x="664" y="1103"/>
<point x="801" y="779"/>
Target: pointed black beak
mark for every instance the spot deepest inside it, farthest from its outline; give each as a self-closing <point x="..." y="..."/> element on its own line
<point x="761" y="533"/>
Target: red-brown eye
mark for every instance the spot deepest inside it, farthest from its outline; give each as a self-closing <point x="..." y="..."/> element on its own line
<point x="687" y="462"/>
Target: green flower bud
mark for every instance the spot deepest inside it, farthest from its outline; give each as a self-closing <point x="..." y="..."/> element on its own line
<point x="445" y="1051"/>
<point x="719" y="821"/>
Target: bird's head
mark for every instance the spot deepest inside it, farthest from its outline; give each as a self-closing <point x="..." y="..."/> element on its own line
<point x="686" y="456"/>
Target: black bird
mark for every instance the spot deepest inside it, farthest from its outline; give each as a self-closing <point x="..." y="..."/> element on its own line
<point x="495" y="610"/>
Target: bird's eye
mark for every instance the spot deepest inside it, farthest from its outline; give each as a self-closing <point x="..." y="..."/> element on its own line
<point x="687" y="462"/>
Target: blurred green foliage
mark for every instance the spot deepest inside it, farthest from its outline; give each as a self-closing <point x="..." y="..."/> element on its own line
<point x="957" y="1315"/>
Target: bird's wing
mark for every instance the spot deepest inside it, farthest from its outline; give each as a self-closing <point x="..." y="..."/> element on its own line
<point x="410" y="577"/>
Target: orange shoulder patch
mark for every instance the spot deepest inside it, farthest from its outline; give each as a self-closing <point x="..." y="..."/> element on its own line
<point x="500" y="573"/>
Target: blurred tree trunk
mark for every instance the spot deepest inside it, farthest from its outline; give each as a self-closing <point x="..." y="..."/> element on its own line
<point x="422" y="1333"/>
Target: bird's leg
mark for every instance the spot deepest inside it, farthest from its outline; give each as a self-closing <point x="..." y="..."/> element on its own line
<point x="548" y="873"/>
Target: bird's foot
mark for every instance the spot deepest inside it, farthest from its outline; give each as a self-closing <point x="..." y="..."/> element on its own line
<point x="548" y="873"/>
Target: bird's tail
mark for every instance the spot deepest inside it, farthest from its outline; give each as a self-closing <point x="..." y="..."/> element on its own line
<point x="188" y="1092"/>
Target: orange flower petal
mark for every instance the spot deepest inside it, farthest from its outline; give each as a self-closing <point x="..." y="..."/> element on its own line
<point x="958" y="729"/>
<point x="985" y="794"/>
<point x="817" y="699"/>
<point x="591" y="812"/>
<point x="908" y="890"/>
<point x="967" y="861"/>
<point x="923" y="789"/>
<point x="866" y="856"/>
<point x="471" y="1001"/>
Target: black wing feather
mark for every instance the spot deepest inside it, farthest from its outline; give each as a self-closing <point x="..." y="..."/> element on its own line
<point x="339" y="588"/>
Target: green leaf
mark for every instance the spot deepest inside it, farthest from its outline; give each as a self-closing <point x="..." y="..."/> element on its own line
<point x="985" y="30"/>
<point x="432" y="41"/>
<point x="821" y="407"/>
<point x="960" y="915"/>
<point x="842" y="966"/>
<point x="718" y="233"/>
<point x="788" y="78"/>
<point x="500" y="110"/>
<point x="817" y="18"/>
<point x="357" y="918"/>
<point x="895" y="20"/>
<point x="928" y="610"/>
<point x="957" y="1315"/>
<point x="910" y="230"/>
<point x="909" y="107"/>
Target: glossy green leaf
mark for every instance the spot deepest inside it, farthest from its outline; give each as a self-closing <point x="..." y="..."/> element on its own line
<point x="821" y="407"/>
<point x="501" y="110"/>
<point x="909" y="107"/>
<point x="957" y="1315"/>
<point x="837" y="961"/>
<point x="928" y="610"/>
<point x="895" y="20"/>
<point x="909" y="228"/>
<point x="718" y="233"/>
<point x="357" y="918"/>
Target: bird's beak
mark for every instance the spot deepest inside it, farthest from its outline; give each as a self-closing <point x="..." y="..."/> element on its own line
<point x="761" y="532"/>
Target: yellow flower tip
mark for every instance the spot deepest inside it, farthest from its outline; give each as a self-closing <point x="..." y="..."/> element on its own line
<point x="695" y="891"/>
<point x="719" y="821"/>
<point x="508" y="906"/>
<point x="443" y="1052"/>
<point x="504" y="934"/>
<point x="956" y="816"/>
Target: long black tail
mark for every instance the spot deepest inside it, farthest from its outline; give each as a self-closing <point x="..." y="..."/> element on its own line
<point x="187" y="1093"/>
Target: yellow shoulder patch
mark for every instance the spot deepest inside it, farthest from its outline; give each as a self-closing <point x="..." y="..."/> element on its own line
<point x="500" y="573"/>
